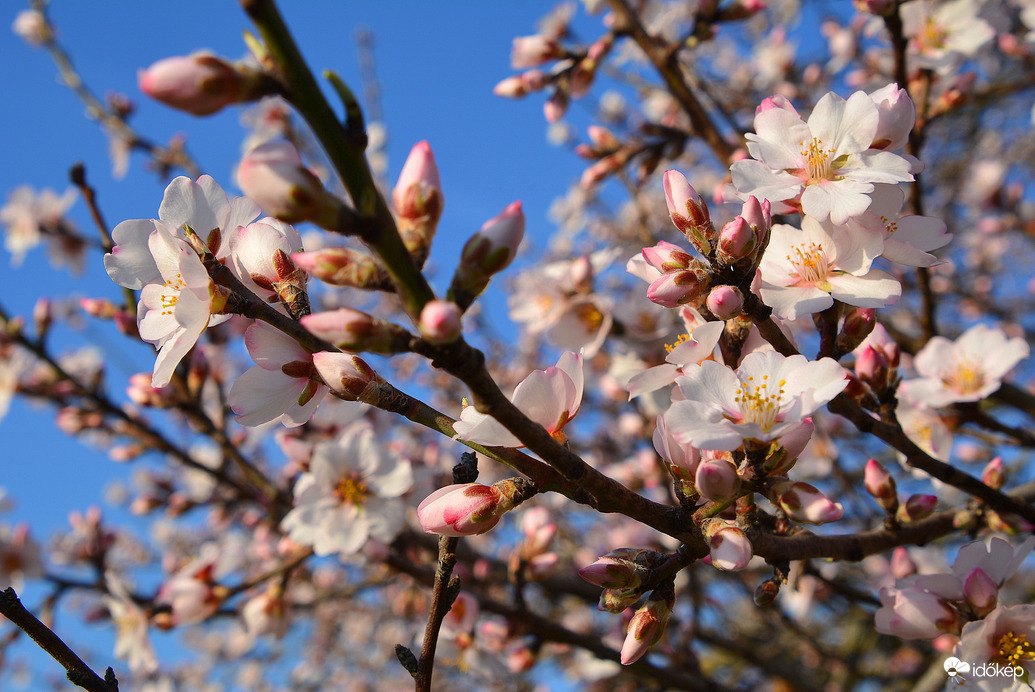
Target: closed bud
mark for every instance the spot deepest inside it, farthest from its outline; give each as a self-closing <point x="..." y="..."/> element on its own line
<point x="529" y="51"/>
<point x="440" y="322"/>
<point x="858" y="324"/>
<point x="348" y="376"/>
<point x="736" y="241"/>
<point x="487" y="252"/>
<point x="881" y="485"/>
<point x="680" y="287"/>
<point x="897" y="115"/>
<point x="342" y="266"/>
<point x="200" y="83"/>
<point x="725" y="302"/>
<point x="602" y="138"/>
<point x="32" y="27"/>
<point x="716" y="479"/>
<point x="467" y="509"/>
<point x="357" y="331"/>
<point x="804" y="502"/>
<point x="98" y="307"/>
<point x="729" y="546"/>
<point x="871" y="367"/>
<point x="418" y="201"/>
<point x="689" y="212"/>
<point x="622" y="569"/>
<point x="648" y="624"/>
<point x="917" y="507"/>
<point x="274" y="175"/>
<point x="993" y="475"/>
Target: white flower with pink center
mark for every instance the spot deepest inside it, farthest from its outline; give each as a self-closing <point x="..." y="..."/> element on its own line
<point x="549" y="397"/>
<point x="349" y="495"/>
<point x="767" y="397"/>
<point x="280" y="385"/>
<point x="1006" y="638"/>
<point x="942" y="34"/>
<point x="969" y="369"/>
<point x="825" y="163"/>
<point x="173" y="313"/>
<point x="805" y="271"/>
<point x="697" y="344"/>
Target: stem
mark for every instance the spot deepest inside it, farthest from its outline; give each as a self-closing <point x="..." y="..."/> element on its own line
<point x="79" y="674"/>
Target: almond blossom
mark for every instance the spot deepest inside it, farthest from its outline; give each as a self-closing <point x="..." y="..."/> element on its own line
<point x="806" y="271"/>
<point x="969" y="369"/>
<point x="1004" y="638"/>
<point x="349" y="495"/>
<point x="280" y="385"/>
<point x="943" y="34"/>
<point x="767" y="397"/>
<point x="827" y="161"/>
<point x="908" y="240"/>
<point x="697" y="344"/>
<point x="548" y="397"/>
<point x="174" y="313"/>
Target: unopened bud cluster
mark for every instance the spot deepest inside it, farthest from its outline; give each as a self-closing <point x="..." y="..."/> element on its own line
<point x="718" y="281"/>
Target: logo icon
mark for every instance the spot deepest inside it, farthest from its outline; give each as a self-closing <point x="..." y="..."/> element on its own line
<point x="955" y="669"/>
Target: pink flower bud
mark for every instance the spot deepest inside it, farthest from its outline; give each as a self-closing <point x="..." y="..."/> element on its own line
<point x="902" y="564"/>
<point x="417" y="196"/>
<point x="776" y="101"/>
<point x="680" y="287"/>
<point x="858" y="325"/>
<point x="529" y="51"/>
<point x="348" y="376"/>
<point x="613" y="573"/>
<point x="341" y="266"/>
<point x="98" y="307"/>
<point x="466" y="509"/>
<point x="666" y="257"/>
<point x="274" y="175"/>
<point x="353" y="330"/>
<point x="896" y="116"/>
<point x="199" y="84"/>
<point x="729" y="546"/>
<point x="716" y="479"/>
<point x="440" y="322"/>
<point x="648" y="624"/>
<point x="917" y="507"/>
<point x="881" y="485"/>
<point x="736" y="241"/>
<point x="981" y="591"/>
<point x="993" y="475"/>
<point x="725" y="302"/>
<point x="759" y="216"/>
<point x="602" y="138"/>
<point x="487" y="252"/>
<point x="556" y="106"/>
<point x="689" y="212"/>
<point x="804" y="502"/>
<point x="142" y="393"/>
<point x="871" y="366"/>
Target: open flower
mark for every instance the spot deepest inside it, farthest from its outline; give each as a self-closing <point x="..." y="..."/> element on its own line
<point x="968" y="369"/>
<point x="1005" y="638"/>
<point x="174" y="313"/>
<point x="826" y="161"/>
<point x="767" y="397"/>
<point x="806" y="271"/>
<point x="280" y="385"/>
<point x="549" y="397"/>
<point x="349" y="495"/>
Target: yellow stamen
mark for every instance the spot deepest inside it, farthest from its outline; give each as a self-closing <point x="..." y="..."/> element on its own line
<point x="810" y="263"/>
<point x="683" y="338"/>
<point x="758" y="403"/>
<point x="1014" y="648"/>
<point x="352" y="490"/>
<point x="965" y="375"/>
<point x="818" y="164"/>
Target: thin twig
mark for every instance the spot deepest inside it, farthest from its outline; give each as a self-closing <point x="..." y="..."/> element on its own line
<point x="79" y="674"/>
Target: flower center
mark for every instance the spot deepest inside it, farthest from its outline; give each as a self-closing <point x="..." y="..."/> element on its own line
<point x="169" y="300"/>
<point x="759" y="403"/>
<point x="810" y="263"/>
<point x="965" y="375"/>
<point x="932" y="36"/>
<point x="889" y="226"/>
<point x="1014" y="648"/>
<point x="352" y="490"/>
<point x="682" y="339"/>
<point x="590" y="316"/>
<point x="818" y="164"/>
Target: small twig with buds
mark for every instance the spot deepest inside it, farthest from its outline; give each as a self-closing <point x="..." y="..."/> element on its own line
<point x="79" y="674"/>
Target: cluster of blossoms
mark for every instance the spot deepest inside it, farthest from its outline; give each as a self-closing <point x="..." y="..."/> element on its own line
<point x="734" y="411"/>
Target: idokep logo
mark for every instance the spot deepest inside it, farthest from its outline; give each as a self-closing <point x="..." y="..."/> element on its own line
<point x="958" y="670"/>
